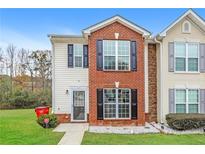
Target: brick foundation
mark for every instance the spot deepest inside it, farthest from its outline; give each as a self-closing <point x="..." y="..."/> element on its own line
<point x="63" y="118"/>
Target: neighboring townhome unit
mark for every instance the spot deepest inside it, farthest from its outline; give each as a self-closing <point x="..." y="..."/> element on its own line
<point x="182" y="66"/>
<point x="101" y="77"/>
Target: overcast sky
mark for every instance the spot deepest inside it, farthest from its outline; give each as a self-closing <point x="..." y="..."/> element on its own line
<point x="28" y="28"/>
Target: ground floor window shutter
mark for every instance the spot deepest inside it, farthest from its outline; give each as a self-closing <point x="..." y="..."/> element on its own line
<point x="171" y="100"/>
<point x="99" y="104"/>
<point x="134" y="103"/>
<point x="202" y="100"/>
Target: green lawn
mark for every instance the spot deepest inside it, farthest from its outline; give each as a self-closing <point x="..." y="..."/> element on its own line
<point x="20" y="127"/>
<point x="142" y="139"/>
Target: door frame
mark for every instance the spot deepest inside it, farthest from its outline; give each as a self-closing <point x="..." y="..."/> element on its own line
<point x="85" y="105"/>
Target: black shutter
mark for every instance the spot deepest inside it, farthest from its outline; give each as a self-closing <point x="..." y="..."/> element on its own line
<point x="133" y="55"/>
<point x="133" y="103"/>
<point x="85" y="56"/>
<point x="99" y="104"/>
<point x="99" y="47"/>
<point x="70" y="55"/>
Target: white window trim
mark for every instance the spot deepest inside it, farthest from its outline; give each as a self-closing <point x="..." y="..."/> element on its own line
<point x="116" y="57"/>
<point x="186" y="101"/>
<point x="186" y="58"/>
<point x="74" y="55"/>
<point x="117" y="104"/>
<point x="183" y="29"/>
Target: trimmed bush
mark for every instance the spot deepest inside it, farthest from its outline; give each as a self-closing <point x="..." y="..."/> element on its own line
<point x="181" y="121"/>
<point x="52" y="121"/>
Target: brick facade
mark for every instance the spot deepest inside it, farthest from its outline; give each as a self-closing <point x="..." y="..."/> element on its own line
<point x="152" y="83"/>
<point x="127" y="79"/>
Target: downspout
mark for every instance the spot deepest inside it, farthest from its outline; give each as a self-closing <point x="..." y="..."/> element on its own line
<point x="53" y="76"/>
<point x="161" y="82"/>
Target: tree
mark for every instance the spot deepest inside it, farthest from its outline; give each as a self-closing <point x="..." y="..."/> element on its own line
<point x="22" y="57"/>
<point x="29" y="65"/>
<point x="42" y="61"/>
<point x="11" y="57"/>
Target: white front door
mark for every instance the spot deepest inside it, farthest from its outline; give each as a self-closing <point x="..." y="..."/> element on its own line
<point x="79" y="105"/>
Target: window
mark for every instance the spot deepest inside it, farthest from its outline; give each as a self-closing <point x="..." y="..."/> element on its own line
<point x="186" y="57"/>
<point x="78" y="55"/>
<point x="116" y="55"/>
<point x="116" y="103"/>
<point x="187" y="100"/>
<point x="186" y="27"/>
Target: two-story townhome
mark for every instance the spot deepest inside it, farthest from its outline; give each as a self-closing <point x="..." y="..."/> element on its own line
<point x="115" y="73"/>
<point x="181" y="60"/>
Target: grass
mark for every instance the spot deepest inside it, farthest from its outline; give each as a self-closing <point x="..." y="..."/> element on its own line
<point x="20" y="127"/>
<point x="142" y="139"/>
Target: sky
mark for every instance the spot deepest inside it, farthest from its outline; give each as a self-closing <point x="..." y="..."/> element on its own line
<point x="28" y="28"/>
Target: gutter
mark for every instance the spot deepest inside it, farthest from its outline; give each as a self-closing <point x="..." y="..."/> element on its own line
<point x="161" y="82"/>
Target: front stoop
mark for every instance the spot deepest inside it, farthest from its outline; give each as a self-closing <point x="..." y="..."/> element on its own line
<point x="73" y="133"/>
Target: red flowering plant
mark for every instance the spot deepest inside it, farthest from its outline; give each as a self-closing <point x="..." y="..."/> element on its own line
<point x="47" y="121"/>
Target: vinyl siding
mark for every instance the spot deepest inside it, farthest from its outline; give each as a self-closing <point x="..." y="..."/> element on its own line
<point x="66" y="79"/>
<point x="172" y="79"/>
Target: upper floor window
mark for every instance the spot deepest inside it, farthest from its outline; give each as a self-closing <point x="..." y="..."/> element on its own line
<point x="186" y="57"/>
<point x="116" y="55"/>
<point x="187" y="101"/>
<point x="186" y="27"/>
<point x="78" y="55"/>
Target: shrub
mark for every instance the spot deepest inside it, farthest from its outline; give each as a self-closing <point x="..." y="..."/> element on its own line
<point x="52" y="121"/>
<point x="180" y="121"/>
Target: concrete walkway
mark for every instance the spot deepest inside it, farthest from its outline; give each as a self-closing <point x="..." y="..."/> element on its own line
<point x="73" y="133"/>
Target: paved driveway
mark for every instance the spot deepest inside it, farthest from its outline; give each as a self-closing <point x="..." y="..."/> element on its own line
<point x="73" y="133"/>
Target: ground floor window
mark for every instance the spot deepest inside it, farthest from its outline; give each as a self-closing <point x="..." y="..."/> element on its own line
<point x="187" y="100"/>
<point x="116" y="103"/>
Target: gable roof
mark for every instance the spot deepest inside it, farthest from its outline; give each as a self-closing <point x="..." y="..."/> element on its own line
<point x="119" y="19"/>
<point x="190" y="14"/>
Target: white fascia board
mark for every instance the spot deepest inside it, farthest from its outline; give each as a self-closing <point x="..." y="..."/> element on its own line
<point x="164" y="32"/>
<point x="116" y="18"/>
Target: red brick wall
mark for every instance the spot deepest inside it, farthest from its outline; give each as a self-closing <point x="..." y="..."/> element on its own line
<point x="63" y="118"/>
<point x="152" y="83"/>
<point x="100" y="79"/>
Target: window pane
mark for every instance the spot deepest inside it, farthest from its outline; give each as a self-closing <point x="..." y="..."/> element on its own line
<point x="193" y="96"/>
<point x="180" y="64"/>
<point x="109" y="62"/>
<point x="180" y="96"/>
<point x="193" y="108"/>
<point x="109" y="48"/>
<point x="109" y="96"/>
<point x="123" y="63"/>
<point x="193" y="64"/>
<point x="123" y="96"/>
<point x="78" y="49"/>
<point x="78" y="61"/>
<point x="180" y="108"/>
<point x="110" y="111"/>
<point x="192" y="50"/>
<point x="110" y="103"/>
<point x="180" y="49"/>
<point x="123" y="111"/>
<point x="123" y="48"/>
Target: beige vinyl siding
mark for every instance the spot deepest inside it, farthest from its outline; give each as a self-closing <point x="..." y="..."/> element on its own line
<point x="66" y="78"/>
<point x="172" y="79"/>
